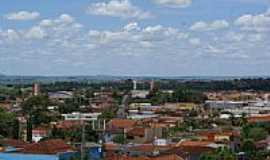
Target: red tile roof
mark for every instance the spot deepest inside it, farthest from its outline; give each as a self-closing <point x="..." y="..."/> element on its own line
<point x="194" y="143"/>
<point x="111" y="146"/>
<point x="149" y="147"/>
<point x="52" y="146"/>
<point x="13" y="143"/>
<point x="121" y="123"/>
<point x="162" y="157"/>
<point x="40" y="131"/>
<point x="195" y="146"/>
<point x="211" y="134"/>
<point x="255" y="119"/>
<point x="137" y="131"/>
<point x="68" y="124"/>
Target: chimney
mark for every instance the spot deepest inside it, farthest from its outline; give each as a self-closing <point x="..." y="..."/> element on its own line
<point x="36" y="89"/>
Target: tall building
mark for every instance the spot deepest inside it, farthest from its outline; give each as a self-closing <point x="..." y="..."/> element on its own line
<point x="134" y="85"/>
<point x="36" y="89"/>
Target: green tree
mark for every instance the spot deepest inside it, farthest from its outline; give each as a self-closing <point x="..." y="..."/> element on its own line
<point x="8" y="124"/>
<point x="36" y="110"/>
<point x="185" y="94"/>
<point x="107" y="114"/>
<point x="119" y="139"/>
<point x="252" y="153"/>
<point x="222" y="153"/>
<point x="254" y="132"/>
<point x="243" y="121"/>
<point x="248" y="146"/>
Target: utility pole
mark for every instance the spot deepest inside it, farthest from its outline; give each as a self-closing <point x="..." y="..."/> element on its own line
<point x="83" y="137"/>
<point x="82" y="118"/>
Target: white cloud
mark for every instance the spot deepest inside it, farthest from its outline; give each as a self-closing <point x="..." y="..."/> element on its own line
<point x="174" y="3"/>
<point x="53" y="39"/>
<point x="214" y="50"/>
<point x="215" y="25"/>
<point x="35" y="33"/>
<point x="46" y="23"/>
<point x="22" y="15"/>
<point x="234" y="36"/>
<point x="132" y="26"/>
<point x="62" y="20"/>
<point x="135" y="40"/>
<point x="153" y="29"/>
<point x="9" y="35"/>
<point x="219" y="24"/>
<point x="118" y="8"/>
<point x="65" y="18"/>
<point x="259" y="22"/>
<point x="199" y="26"/>
<point x="195" y="41"/>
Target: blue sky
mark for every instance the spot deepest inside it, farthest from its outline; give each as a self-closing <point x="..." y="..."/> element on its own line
<point x="135" y="37"/>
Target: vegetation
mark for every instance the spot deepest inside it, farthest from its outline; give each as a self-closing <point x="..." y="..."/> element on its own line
<point x="253" y="132"/>
<point x="8" y="124"/>
<point x="36" y="110"/>
<point x="120" y="139"/>
<point x="107" y="114"/>
<point x="75" y="134"/>
<point x="222" y="153"/>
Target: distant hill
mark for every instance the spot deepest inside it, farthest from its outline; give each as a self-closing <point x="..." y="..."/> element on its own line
<point x="7" y="79"/>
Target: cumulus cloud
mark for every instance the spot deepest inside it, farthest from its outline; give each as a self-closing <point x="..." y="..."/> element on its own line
<point x="204" y="26"/>
<point x="118" y="8"/>
<point x="22" y="15"/>
<point x="132" y="26"/>
<point x="260" y="22"/>
<point x="9" y="35"/>
<point x="35" y="33"/>
<point x="174" y="3"/>
<point x="63" y="39"/>
<point x="63" y="19"/>
<point x="134" y="35"/>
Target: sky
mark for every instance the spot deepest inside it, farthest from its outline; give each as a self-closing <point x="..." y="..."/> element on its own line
<point x="135" y="37"/>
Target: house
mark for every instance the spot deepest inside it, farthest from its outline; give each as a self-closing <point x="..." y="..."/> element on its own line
<point x="60" y="95"/>
<point x="101" y="103"/>
<point x="225" y="104"/>
<point x="180" y="106"/>
<point x="143" y="134"/>
<point x="52" y="146"/>
<point x="118" y="127"/>
<point x="160" y="157"/>
<point x="259" y="119"/>
<point x="39" y="133"/>
<point x="68" y="124"/>
<point x="144" y="106"/>
<point x="196" y="148"/>
<point x="164" y="122"/>
<point x="147" y="149"/>
<point x="76" y="116"/>
<point x="120" y="124"/>
<point x="54" y="149"/>
<point x="139" y="94"/>
<point x="218" y="135"/>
